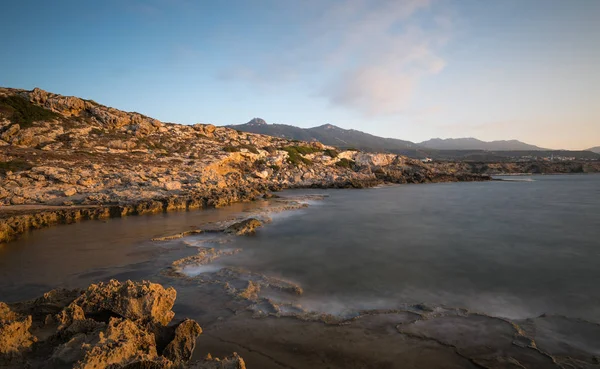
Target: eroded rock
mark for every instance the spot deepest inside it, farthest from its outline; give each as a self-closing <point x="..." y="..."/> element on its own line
<point x="144" y="301"/>
<point x="245" y="227"/>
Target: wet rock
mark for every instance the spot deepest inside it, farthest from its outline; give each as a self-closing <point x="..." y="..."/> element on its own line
<point x="144" y="301"/>
<point x="181" y="348"/>
<point x="233" y="362"/>
<point x="245" y="227"/>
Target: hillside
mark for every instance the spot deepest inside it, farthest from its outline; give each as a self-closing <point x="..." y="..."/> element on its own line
<point x="329" y="134"/>
<point x="94" y="161"/>
<point x="595" y="149"/>
<point x="471" y="143"/>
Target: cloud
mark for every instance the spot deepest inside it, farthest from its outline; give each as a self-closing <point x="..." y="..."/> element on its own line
<point x="372" y="54"/>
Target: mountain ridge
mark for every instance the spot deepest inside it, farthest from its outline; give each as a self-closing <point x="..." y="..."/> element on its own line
<point x="471" y="143"/>
<point x="330" y="134"/>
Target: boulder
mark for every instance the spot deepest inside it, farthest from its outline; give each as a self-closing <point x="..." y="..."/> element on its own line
<point x="146" y="301"/>
<point x="181" y="348"/>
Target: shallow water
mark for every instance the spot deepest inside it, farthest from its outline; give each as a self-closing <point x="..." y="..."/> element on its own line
<point x="509" y="248"/>
<point x="514" y="249"/>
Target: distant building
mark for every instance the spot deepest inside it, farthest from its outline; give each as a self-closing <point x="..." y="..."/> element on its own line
<point x="427" y="160"/>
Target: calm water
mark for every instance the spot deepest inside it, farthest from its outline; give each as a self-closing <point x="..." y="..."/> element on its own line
<point x="514" y="249"/>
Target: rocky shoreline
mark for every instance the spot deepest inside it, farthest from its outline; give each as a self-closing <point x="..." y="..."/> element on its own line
<point x="64" y="159"/>
<point x="108" y="325"/>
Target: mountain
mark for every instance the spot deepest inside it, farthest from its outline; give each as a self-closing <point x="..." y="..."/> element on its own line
<point x="329" y="134"/>
<point x="595" y="149"/>
<point x="471" y="143"/>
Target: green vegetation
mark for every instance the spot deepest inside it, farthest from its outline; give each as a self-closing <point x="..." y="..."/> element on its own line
<point x="302" y="150"/>
<point x="295" y="154"/>
<point x="250" y="148"/>
<point x="345" y="163"/>
<point x="260" y="163"/>
<point x="331" y="153"/>
<point x="276" y="168"/>
<point x="23" y="112"/>
<point x="14" y="166"/>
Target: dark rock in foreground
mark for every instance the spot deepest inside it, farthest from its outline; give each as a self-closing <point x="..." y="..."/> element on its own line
<point x="109" y="325"/>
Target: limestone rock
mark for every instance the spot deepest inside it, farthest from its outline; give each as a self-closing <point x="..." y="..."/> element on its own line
<point x="245" y="227"/>
<point x="136" y="301"/>
<point x="181" y="348"/>
<point x="14" y="332"/>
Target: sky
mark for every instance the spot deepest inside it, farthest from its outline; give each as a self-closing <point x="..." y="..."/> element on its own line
<point x="408" y="69"/>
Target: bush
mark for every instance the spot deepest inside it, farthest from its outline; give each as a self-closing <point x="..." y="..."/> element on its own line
<point x="275" y="167"/>
<point x="331" y="153"/>
<point x="231" y="149"/>
<point x="295" y="154"/>
<point x="250" y="148"/>
<point x="23" y="112"/>
<point x="345" y="163"/>
<point x="14" y="166"/>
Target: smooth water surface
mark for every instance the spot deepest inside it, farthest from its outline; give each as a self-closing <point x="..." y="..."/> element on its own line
<point x="516" y="249"/>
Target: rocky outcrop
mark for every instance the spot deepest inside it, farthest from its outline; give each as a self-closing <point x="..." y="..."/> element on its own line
<point x="108" y="325"/>
<point x="244" y="227"/>
<point x="96" y="162"/>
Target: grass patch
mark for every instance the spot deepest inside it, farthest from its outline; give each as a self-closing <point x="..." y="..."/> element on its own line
<point x="331" y="153"/>
<point x="14" y="166"/>
<point x="345" y="163"/>
<point x="23" y="112"/>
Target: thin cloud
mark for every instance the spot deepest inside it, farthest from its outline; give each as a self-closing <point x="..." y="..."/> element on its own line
<point x="372" y="55"/>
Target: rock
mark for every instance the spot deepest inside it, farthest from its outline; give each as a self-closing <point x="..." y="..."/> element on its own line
<point x="122" y="342"/>
<point x="245" y="227"/>
<point x="209" y="129"/>
<point x="172" y="186"/>
<point x="69" y="192"/>
<point x="181" y="348"/>
<point x="10" y="132"/>
<point x="144" y="300"/>
<point x="233" y="362"/>
<point x="109" y="325"/>
<point x="14" y="332"/>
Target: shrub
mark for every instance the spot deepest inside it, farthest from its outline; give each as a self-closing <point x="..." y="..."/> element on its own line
<point x="260" y="163"/>
<point x="345" y="163"/>
<point x="295" y="154"/>
<point x="275" y="167"/>
<point x="229" y="148"/>
<point x="14" y="166"/>
<point x="250" y="148"/>
<point x="23" y="112"/>
<point x="331" y="153"/>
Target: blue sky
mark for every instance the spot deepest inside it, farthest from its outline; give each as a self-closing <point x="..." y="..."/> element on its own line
<point x="413" y="69"/>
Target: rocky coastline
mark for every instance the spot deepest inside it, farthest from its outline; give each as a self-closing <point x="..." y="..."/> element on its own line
<point x="64" y="159"/>
<point x="108" y="325"/>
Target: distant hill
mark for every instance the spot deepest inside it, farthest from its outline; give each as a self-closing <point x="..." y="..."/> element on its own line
<point x="471" y="143"/>
<point x="595" y="149"/>
<point x="466" y="149"/>
<point x="329" y="135"/>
